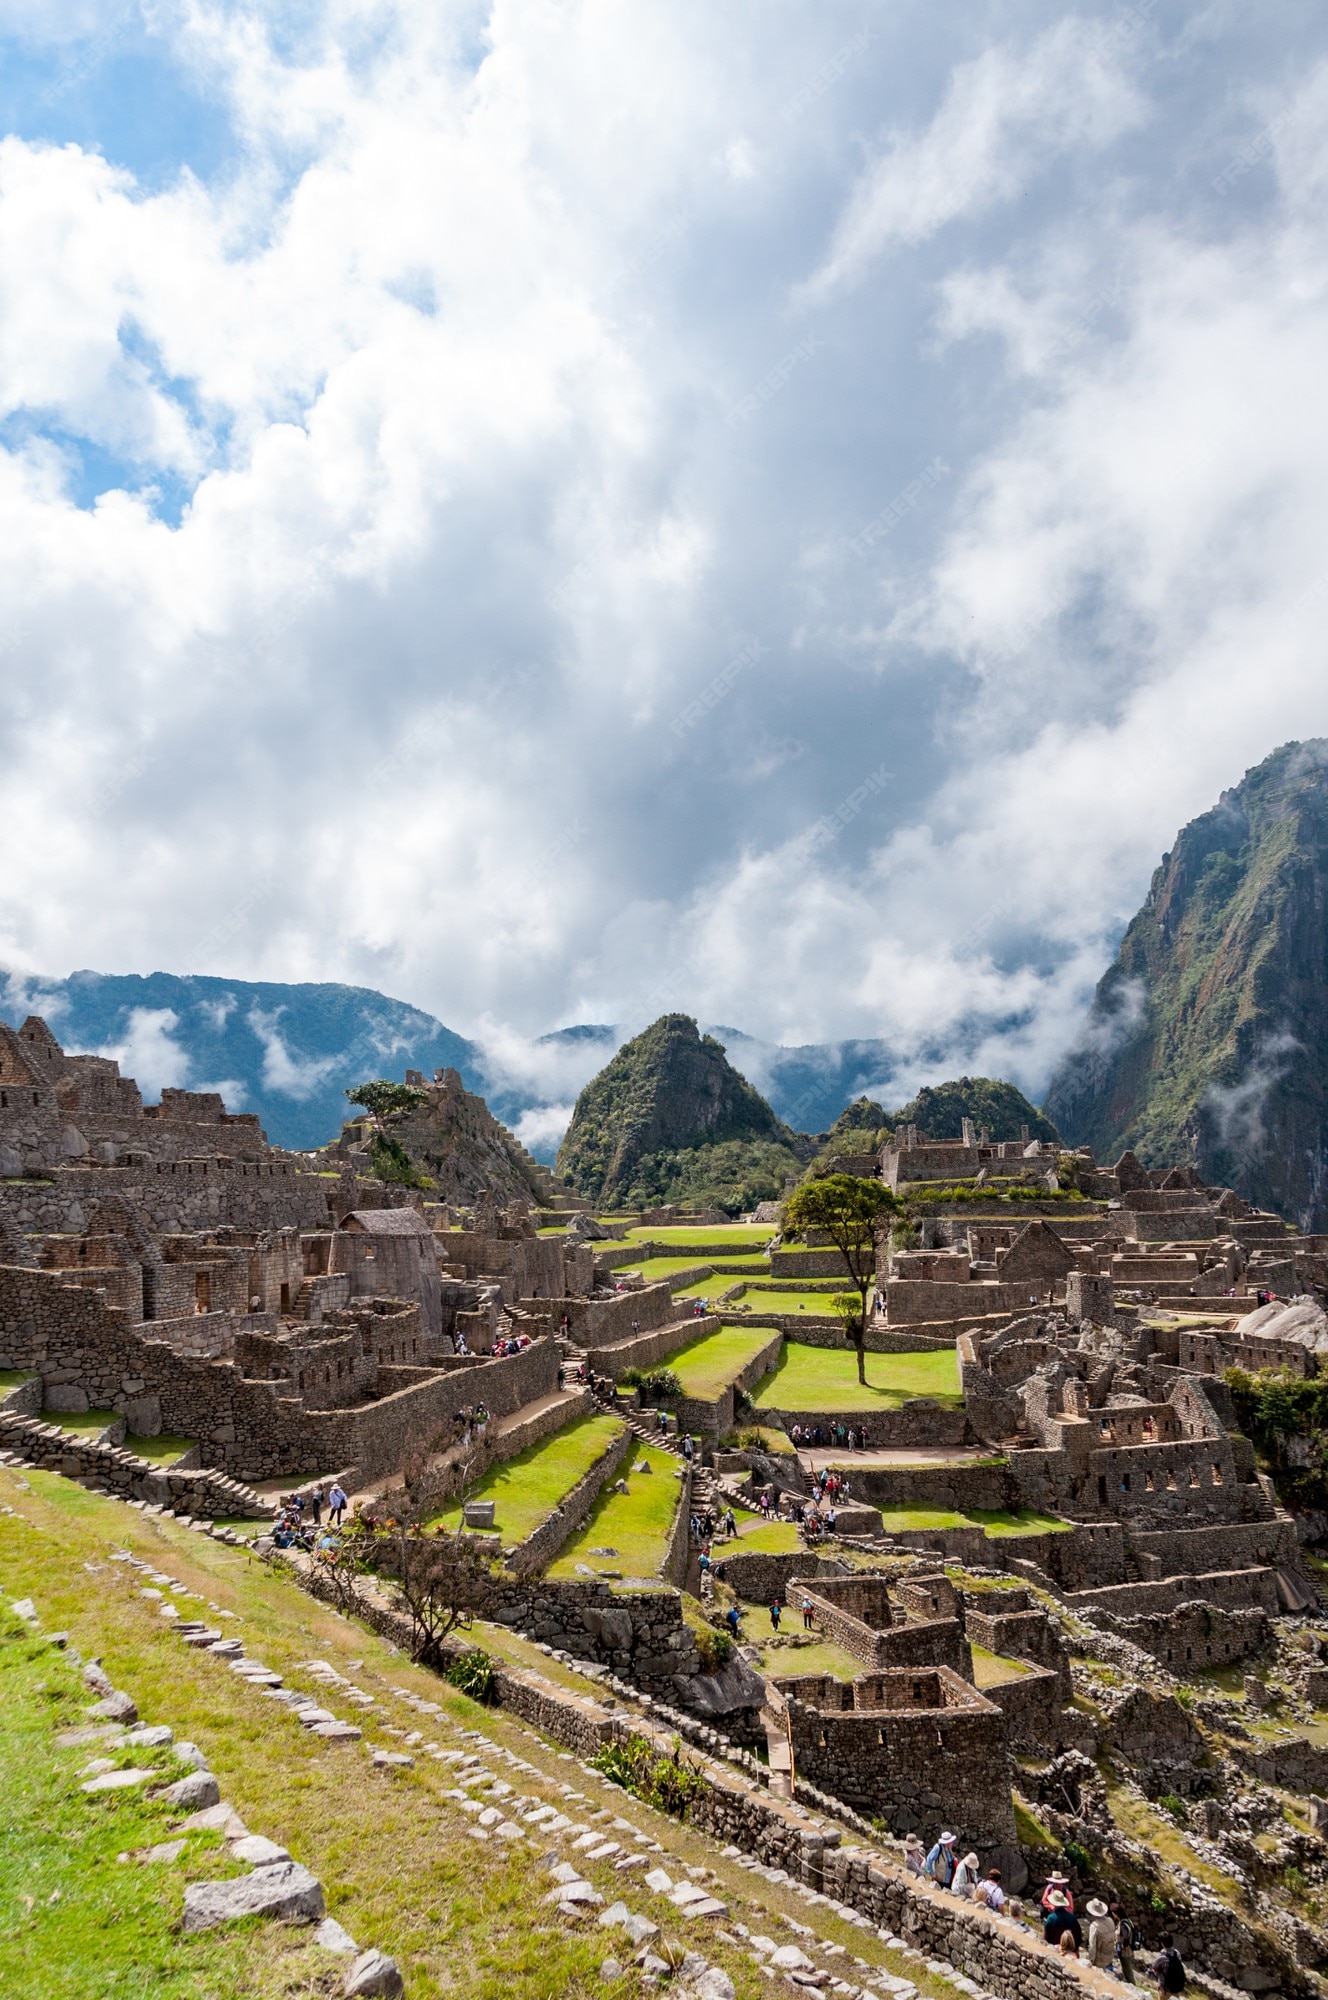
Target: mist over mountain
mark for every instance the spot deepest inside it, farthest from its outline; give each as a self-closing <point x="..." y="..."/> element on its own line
<point x="1207" y="1037"/>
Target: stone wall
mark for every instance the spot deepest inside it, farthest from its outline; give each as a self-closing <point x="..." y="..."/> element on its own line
<point x="759" y="1577"/>
<point x="603" y="1322"/>
<point x="252" y="1429"/>
<point x="1031" y="1705"/>
<point x="855" y="1613"/>
<point x="913" y="1768"/>
<point x="957" y="1487"/>
<point x="1193" y="1636"/>
<point x="649" y="1348"/>
<point x="920" y="1422"/>
<point x="205" y="1496"/>
<point x="912" y="1299"/>
<point x="573" y="1510"/>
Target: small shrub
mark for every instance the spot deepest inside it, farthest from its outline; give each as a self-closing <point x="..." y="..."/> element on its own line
<point x="661" y="1384"/>
<point x="667" y="1783"/>
<point x="1174" y="1808"/>
<point x="473" y="1674"/>
<point x="1079" y="1859"/>
<point x="715" y="1649"/>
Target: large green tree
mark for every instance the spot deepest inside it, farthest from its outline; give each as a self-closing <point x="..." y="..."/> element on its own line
<point x="849" y="1210"/>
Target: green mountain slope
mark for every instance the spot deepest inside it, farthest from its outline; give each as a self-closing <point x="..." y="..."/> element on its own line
<point x="939" y="1111"/>
<point x="670" y="1119"/>
<point x="1208" y="1036"/>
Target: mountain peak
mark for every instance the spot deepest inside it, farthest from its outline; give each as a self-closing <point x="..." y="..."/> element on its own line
<point x="1205" y="1041"/>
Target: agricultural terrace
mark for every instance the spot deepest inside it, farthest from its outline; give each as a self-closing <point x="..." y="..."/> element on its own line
<point x="754" y="1299"/>
<point x="706" y="1367"/>
<point x="634" y="1525"/>
<point x="720" y="1236"/>
<point x="708" y="1288"/>
<point x="994" y="1522"/>
<point x="818" y="1379"/>
<point x="653" y="1268"/>
<point x="527" y="1488"/>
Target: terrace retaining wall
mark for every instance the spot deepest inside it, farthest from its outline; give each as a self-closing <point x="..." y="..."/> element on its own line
<point x="921" y="1422"/>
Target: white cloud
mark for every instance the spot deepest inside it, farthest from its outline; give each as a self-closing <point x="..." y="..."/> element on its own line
<point x="148" y="1051"/>
<point x="442" y="354"/>
<point x="540" y="1131"/>
<point x="291" y="1075"/>
<point x="1005" y="117"/>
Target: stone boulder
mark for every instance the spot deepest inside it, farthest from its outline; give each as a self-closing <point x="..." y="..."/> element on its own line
<point x="286" y="1890"/>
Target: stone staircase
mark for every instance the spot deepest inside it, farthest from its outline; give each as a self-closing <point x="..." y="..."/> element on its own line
<point x="204" y="1493"/>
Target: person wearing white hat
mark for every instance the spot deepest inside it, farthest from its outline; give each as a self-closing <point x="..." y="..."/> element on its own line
<point x="1101" y="1934"/>
<point x="941" y="1861"/>
<point x="965" y="1876"/>
<point x="915" y="1856"/>
<point x="1057" y="1884"/>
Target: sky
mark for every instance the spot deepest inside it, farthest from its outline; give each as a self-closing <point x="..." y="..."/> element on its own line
<point x="562" y="510"/>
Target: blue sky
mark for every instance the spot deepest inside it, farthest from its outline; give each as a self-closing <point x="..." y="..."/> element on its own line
<point x="562" y="511"/>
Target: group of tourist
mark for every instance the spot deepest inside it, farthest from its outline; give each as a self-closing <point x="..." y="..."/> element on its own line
<point x="1112" y="1939"/>
<point x="515" y="1344"/>
<point x="469" y="1425"/>
<point x="842" y="1437"/>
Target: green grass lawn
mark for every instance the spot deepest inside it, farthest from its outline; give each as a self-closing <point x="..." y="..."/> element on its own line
<point x="76" y="1918"/>
<point x="80" y="1423"/>
<point x="14" y="1378"/>
<point x="712" y="1235"/>
<point x="654" y="1268"/>
<point x="991" y="1669"/>
<point x="528" y="1487"/>
<point x="818" y="1657"/>
<point x="635" y="1523"/>
<point x="707" y="1366"/>
<point x="758" y="1437"/>
<point x="772" y="1538"/>
<point x="162" y="1450"/>
<point x="709" y="1288"/>
<point x="993" y="1522"/>
<point x="815" y="1379"/>
<point x="757" y="1299"/>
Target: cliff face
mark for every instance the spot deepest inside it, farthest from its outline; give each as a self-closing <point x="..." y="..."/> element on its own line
<point x="669" y="1118"/>
<point x="450" y="1135"/>
<point x="1208" y="1037"/>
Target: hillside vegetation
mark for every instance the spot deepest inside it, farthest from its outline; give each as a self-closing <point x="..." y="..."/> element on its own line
<point x="669" y="1119"/>
<point x="1207" y="1035"/>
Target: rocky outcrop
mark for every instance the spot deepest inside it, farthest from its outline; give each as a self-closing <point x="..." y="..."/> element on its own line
<point x="1207" y="1036"/>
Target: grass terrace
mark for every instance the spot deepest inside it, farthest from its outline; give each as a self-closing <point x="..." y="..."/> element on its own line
<point x="721" y="1235"/>
<point x="634" y="1524"/>
<point x="81" y="1423"/>
<point x="653" y="1268"/>
<point x="756" y="1299"/>
<point x="770" y="1538"/>
<point x="161" y="1450"/>
<point x="994" y="1522"/>
<point x="527" y="1488"/>
<point x="13" y="1378"/>
<point x="790" y="1654"/>
<point x="817" y="1379"/>
<point x="993" y="1669"/>
<point x="706" y="1367"/>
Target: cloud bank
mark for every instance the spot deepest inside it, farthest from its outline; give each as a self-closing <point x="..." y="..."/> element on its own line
<point x="558" y="513"/>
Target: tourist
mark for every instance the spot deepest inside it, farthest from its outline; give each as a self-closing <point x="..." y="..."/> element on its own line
<point x="990" y="1893"/>
<point x="965" y="1877"/>
<point x="806" y="1614"/>
<point x="1057" y="1884"/>
<point x="1066" y="1944"/>
<point x="1168" y="1968"/>
<point x="941" y="1861"/>
<point x="915" y="1859"/>
<point x="688" y="1448"/>
<point x="316" y="1505"/>
<point x="336" y="1503"/>
<point x="776" y="1613"/>
<point x="1126" y="1939"/>
<point x="704" y="1562"/>
<point x="1060" y="1918"/>
<point x="730" y="1524"/>
<point x="1101" y="1934"/>
<point x="733" y="1619"/>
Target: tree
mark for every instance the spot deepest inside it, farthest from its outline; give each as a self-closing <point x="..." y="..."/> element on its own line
<point x="441" y="1580"/>
<point x="849" y="1210"/>
<point x="382" y="1097"/>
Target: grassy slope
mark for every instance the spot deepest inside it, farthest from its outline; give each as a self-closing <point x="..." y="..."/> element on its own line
<point x="528" y="1487"/>
<point x="635" y="1523"/>
<point x="826" y="1379"/>
<point x="74" y="1920"/>
<point x="719" y="1237"/>
<point x="706" y="1367"/>
<point x="395" y="1857"/>
<point x="757" y="1299"/>
<point x="654" y="1268"/>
